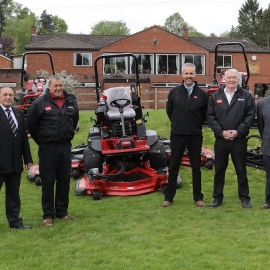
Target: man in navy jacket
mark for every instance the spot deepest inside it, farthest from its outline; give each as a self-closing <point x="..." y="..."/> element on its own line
<point x="230" y="114"/>
<point x="186" y="108"/>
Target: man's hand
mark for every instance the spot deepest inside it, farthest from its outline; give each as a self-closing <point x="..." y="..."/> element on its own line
<point x="27" y="166"/>
<point x="229" y="135"/>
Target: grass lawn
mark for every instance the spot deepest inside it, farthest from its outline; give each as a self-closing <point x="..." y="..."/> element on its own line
<point x="135" y="233"/>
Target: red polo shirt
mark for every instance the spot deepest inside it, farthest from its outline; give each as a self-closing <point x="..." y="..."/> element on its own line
<point x="59" y="101"/>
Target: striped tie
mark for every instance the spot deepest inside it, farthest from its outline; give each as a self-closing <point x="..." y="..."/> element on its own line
<point x="11" y="122"/>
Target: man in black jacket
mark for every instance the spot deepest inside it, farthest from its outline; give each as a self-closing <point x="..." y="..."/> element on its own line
<point x="186" y="108"/>
<point x="13" y="146"/>
<point x="51" y="121"/>
<point x="230" y="115"/>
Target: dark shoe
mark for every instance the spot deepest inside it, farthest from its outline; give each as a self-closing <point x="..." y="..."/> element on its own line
<point x="215" y="204"/>
<point x="200" y="204"/>
<point x="20" y="227"/>
<point x="246" y="205"/>
<point x="68" y="217"/>
<point x="265" y="206"/>
<point x="48" y="222"/>
<point x="166" y="204"/>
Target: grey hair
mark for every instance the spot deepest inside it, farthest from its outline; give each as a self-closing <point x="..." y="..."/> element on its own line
<point x="189" y="65"/>
<point x="55" y="77"/>
<point x="234" y="71"/>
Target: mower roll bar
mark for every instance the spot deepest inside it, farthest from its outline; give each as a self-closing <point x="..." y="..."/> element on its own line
<point x="245" y="56"/>
<point x="137" y="81"/>
<point x="23" y="72"/>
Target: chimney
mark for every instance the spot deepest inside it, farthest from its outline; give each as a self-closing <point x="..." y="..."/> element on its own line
<point x="185" y="32"/>
<point x="34" y="31"/>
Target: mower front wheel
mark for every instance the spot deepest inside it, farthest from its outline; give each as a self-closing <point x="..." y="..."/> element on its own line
<point x="96" y="195"/>
<point x="209" y="164"/>
<point x="92" y="159"/>
<point x="37" y="181"/>
<point x="75" y="174"/>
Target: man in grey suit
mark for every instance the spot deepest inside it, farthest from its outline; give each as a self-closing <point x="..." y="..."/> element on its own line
<point x="13" y="147"/>
<point x="263" y="122"/>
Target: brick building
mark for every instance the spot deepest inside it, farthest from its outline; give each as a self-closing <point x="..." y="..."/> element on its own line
<point x="160" y="54"/>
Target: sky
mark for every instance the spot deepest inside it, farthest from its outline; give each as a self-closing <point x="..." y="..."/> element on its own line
<point x="206" y="16"/>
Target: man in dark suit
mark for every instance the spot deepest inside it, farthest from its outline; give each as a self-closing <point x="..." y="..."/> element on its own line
<point x="263" y="122"/>
<point x="13" y="146"/>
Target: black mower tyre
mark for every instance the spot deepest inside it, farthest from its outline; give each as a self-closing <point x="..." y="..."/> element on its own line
<point x="96" y="195"/>
<point x="158" y="157"/>
<point x="209" y="164"/>
<point x="75" y="174"/>
<point x="37" y="181"/>
<point x="92" y="159"/>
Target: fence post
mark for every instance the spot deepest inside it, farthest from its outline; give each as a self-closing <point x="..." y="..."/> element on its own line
<point x="156" y="99"/>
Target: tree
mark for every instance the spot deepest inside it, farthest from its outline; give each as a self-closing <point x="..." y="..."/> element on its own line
<point x="175" y="23"/>
<point x="264" y="30"/>
<point x="20" y="31"/>
<point x="7" y="45"/>
<point x="59" y="25"/>
<point x="249" y="20"/>
<point x="46" y="24"/>
<point x="110" y="28"/>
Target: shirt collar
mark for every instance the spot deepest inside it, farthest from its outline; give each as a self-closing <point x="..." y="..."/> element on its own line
<point x="191" y="87"/>
<point x="62" y="96"/>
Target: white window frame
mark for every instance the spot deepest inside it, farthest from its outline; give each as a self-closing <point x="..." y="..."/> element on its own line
<point x="202" y="62"/>
<point x="84" y="55"/>
<point x="140" y="64"/>
<point x="223" y="61"/>
<point x="116" y="70"/>
<point x="177" y="72"/>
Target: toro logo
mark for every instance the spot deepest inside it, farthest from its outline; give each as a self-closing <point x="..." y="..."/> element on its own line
<point x="219" y="101"/>
<point x="48" y="108"/>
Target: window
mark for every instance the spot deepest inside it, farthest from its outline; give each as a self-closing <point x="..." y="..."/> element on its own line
<point x="167" y="64"/>
<point x="117" y="65"/>
<point x="224" y="61"/>
<point x="145" y="63"/>
<point x="197" y="60"/>
<point x="83" y="59"/>
<point x="260" y="90"/>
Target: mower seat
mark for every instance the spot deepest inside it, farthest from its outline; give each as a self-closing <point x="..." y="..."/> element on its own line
<point x="114" y="93"/>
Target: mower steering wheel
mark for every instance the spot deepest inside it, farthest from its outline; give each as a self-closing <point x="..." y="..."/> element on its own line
<point x="115" y="103"/>
<point x="38" y="79"/>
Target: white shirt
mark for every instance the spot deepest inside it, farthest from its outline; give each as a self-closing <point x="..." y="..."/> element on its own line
<point x="11" y="113"/>
<point x="228" y="95"/>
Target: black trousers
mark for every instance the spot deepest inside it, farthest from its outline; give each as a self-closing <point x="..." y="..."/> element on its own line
<point x="13" y="201"/>
<point x="194" y="147"/>
<point x="237" y="148"/>
<point x="55" y="168"/>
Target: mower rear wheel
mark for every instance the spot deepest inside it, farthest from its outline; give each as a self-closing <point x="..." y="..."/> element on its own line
<point x="158" y="158"/>
<point x="96" y="195"/>
<point x="92" y="159"/>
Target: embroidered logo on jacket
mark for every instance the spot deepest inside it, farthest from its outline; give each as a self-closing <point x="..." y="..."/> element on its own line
<point x="48" y="108"/>
<point x="219" y="101"/>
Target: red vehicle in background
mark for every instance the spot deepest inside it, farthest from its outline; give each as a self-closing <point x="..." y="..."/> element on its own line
<point x="31" y="89"/>
<point x="244" y="75"/>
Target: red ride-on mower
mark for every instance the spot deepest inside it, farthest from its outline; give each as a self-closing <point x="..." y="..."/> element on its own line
<point x="244" y="75"/>
<point x="33" y="175"/>
<point x="77" y="163"/>
<point x="122" y="157"/>
<point x="31" y="89"/>
<point x="207" y="155"/>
